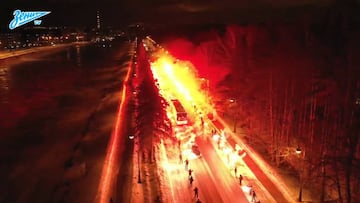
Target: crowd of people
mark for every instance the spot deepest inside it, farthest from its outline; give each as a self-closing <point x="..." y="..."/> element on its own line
<point x="252" y="192"/>
<point x="240" y="178"/>
<point x="191" y="180"/>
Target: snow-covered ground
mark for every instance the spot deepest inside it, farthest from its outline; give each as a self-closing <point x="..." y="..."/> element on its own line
<point x="55" y="151"/>
<point x="214" y="171"/>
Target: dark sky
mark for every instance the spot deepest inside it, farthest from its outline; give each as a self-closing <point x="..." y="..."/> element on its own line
<point x="122" y="12"/>
<point x="68" y="13"/>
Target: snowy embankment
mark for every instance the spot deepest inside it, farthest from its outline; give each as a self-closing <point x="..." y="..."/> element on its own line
<point x="58" y="146"/>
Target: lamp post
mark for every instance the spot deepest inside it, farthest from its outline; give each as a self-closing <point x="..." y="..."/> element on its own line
<point x="233" y="102"/>
<point x="131" y="137"/>
<point x="298" y="151"/>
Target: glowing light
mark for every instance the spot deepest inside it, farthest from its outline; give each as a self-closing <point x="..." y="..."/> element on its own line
<point x="179" y="81"/>
<point x="216" y="137"/>
<point x="272" y="174"/>
<point x="227" y="150"/>
<point x="188" y="154"/>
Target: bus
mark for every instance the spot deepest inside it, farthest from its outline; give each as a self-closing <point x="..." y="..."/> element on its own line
<point x="180" y="113"/>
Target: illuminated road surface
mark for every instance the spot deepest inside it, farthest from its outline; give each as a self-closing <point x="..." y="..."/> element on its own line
<point x="211" y="175"/>
<point x="182" y="191"/>
<point x="111" y="164"/>
<point x="214" y="174"/>
<point x="213" y="178"/>
<point x="225" y="182"/>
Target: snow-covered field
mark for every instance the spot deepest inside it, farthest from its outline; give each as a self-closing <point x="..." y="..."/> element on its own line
<point x="52" y="149"/>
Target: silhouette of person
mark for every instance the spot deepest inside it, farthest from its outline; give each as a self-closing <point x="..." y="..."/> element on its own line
<point x="191" y="180"/>
<point x="253" y="196"/>
<point x="240" y="179"/>
<point x="196" y="192"/>
<point x="235" y="171"/>
<point x="190" y="172"/>
<point x="186" y="164"/>
<point x="111" y="200"/>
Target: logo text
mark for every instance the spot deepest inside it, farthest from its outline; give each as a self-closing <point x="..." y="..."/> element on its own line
<point x="21" y="18"/>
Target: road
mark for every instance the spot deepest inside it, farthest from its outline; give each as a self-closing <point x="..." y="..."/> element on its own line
<point x="221" y="175"/>
<point x="214" y="172"/>
<point x="215" y="180"/>
<point x="107" y="189"/>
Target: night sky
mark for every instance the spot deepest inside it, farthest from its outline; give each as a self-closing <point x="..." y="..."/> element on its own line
<point x="122" y="12"/>
<point x="68" y="13"/>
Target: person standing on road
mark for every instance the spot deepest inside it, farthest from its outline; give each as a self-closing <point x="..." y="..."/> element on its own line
<point x="253" y="195"/>
<point x="191" y="180"/>
<point x="240" y="179"/>
<point x="186" y="164"/>
<point x="196" y="192"/>
<point x="235" y="171"/>
<point x="190" y="172"/>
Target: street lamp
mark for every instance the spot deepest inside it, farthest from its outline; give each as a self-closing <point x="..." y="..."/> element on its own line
<point x="298" y="151"/>
<point x="233" y="102"/>
<point x="131" y="137"/>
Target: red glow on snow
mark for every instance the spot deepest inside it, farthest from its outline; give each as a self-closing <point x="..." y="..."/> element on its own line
<point x="110" y="169"/>
<point x="262" y="164"/>
<point x="180" y="80"/>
